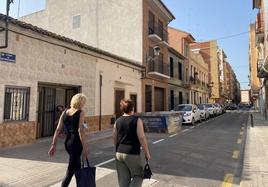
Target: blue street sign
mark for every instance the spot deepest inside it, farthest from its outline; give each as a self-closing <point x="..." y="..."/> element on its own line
<point x="7" y="57"/>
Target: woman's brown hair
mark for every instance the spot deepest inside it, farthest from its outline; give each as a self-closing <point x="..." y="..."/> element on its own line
<point x="126" y="106"/>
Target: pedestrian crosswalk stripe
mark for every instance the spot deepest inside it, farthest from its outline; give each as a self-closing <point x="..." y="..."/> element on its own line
<point x="235" y="154"/>
<point x="228" y="180"/>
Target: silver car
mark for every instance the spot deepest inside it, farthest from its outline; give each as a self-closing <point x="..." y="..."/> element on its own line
<point x="204" y="112"/>
<point x="212" y="110"/>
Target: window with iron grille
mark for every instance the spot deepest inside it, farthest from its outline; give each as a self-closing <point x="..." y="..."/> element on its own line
<point x="16" y="106"/>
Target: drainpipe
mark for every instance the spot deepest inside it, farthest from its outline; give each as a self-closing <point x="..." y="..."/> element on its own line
<point x="100" y="85"/>
<point x="6" y="29"/>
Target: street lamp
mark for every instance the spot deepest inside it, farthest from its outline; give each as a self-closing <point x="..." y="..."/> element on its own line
<point x="6" y="22"/>
<point x="150" y="59"/>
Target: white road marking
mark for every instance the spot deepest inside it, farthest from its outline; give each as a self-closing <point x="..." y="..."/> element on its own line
<point x="185" y="130"/>
<point x="105" y="162"/>
<point x="173" y="135"/>
<point x="192" y="127"/>
<point x="158" y="141"/>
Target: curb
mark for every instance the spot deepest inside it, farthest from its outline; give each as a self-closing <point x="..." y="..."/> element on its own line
<point x="248" y="126"/>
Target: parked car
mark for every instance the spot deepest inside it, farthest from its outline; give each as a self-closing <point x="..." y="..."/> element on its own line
<point x="231" y="107"/>
<point x="204" y="113"/>
<point x="218" y="108"/>
<point x="212" y="110"/>
<point x="191" y="113"/>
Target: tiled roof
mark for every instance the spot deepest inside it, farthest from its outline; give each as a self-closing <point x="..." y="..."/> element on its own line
<point x="65" y="39"/>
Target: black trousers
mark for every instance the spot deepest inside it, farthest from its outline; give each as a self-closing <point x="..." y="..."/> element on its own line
<point x="74" y="148"/>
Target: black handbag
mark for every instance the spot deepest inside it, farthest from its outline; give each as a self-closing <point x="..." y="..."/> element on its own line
<point x="86" y="176"/>
<point x="147" y="173"/>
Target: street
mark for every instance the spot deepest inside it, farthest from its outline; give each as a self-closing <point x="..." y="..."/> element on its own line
<point x="207" y="154"/>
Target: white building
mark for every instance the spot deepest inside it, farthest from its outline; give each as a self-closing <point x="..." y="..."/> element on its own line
<point x="41" y="70"/>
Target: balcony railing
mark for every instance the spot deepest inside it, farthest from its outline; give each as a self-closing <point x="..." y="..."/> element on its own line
<point x="260" y="23"/>
<point x="157" y="68"/>
<point x="261" y="73"/>
<point x="158" y="31"/>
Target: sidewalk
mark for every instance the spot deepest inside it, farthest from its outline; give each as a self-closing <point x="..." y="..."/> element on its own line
<point x="29" y="165"/>
<point x="255" y="166"/>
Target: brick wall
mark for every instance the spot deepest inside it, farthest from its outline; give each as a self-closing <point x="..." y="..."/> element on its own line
<point x="17" y="133"/>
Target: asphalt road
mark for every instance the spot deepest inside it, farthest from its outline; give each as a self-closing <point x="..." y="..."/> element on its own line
<point x="209" y="154"/>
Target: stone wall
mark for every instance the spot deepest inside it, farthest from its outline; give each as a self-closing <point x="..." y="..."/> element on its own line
<point x="15" y="133"/>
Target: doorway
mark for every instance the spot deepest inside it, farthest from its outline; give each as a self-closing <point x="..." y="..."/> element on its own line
<point x="50" y="99"/>
<point x="159" y="99"/>
<point x="119" y="95"/>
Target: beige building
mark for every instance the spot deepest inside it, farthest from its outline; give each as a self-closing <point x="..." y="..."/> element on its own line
<point x="41" y="70"/>
<point x="253" y="68"/>
<point x="198" y="71"/>
<point x="222" y="70"/>
<point x="195" y="68"/>
<point x="261" y="44"/>
<point x="176" y="94"/>
<point x="130" y="30"/>
<point x="209" y="51"/>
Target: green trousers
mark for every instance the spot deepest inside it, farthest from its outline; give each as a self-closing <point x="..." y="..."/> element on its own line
<point x="129" y="170"/>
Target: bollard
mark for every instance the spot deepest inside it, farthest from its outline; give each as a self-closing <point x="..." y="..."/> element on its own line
<point x="251" y="119"/>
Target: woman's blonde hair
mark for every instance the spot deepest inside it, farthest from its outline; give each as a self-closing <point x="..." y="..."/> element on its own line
<point x="77" y="99"/>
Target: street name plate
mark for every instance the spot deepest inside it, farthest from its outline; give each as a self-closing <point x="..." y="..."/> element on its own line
<point x="7" y="57"/>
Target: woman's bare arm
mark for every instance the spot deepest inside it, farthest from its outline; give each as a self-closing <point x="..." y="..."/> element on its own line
<point x="82" y="132"/>
<point x="58" y="130"/>
<point x="142" y="139"/>
<point x="115" y="134"/>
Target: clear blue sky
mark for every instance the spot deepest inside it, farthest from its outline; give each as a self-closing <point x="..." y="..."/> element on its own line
<point x="213" y="19"/>
<point x="205" y="19"/>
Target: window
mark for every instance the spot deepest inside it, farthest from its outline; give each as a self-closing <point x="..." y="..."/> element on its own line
<point x="180" y="98"/>
<point x="186" y="49"/>
<point x="151" y="23"/>
<point x="171" y="67"/>
<point x="160" y="29"/>
<point x="133" y="97"/>
<point x="76" y="21"/>
<point x="16" y="106"/>
<point x="180" y="71"/>
<point x="148" y="98"/>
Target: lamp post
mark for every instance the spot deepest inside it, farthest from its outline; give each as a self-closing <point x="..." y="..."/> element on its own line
<point x="6" y="23"/>
<point x="150" y="59"/>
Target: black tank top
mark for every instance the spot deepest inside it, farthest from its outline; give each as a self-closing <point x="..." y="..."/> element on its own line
<point x="71" y="123"/>
<point x="127" y="138"/>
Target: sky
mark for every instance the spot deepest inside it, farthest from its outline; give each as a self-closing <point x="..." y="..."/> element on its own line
<point x="204" y="19"/>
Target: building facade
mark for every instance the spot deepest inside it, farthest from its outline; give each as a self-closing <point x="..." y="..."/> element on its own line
<point x="128" y="30"/>
<point x="195" y="68"/>
<point x="176" y="92"/>
<point x="261" y="44"/>
<point x="253" y="69"/>
<point x="222" y="68"/>
<point x="44" y="70"/>
<point x="209" y="51"/>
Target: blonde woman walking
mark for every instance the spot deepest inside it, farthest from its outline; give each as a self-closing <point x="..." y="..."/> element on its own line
<point x="72" y="120"/>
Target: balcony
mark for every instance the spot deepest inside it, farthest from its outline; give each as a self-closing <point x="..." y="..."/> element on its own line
<point x="158" y="69"/>
<point x="259" y="28"/>
<point x="158" y="35"/>
<point x="261" y="69"/>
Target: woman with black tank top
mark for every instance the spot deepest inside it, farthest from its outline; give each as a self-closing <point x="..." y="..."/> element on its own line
<point x="72" y="120"/>
<point x="128" y="138"/>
